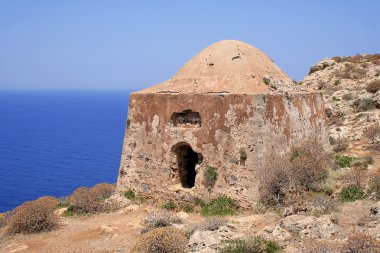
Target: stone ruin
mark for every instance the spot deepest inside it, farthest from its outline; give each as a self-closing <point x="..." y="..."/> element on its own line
<point x="229" y="108"/>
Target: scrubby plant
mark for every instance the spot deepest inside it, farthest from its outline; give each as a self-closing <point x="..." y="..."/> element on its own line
<point x="159" y="219"/>
<point x="161" y="240"/>
<point x="275" y="183"/>
<point x="351" y="193"/>
<point x="220" y="206"/>
<point x="266" y="80"/>
<point x="188" y="208"/>
<point x="324" y="205"/>
<point x="210" y="176"/>
<point x="243" y="155"/>
<point x="90" y="200"/>
<point x="308" y="167"/>
<point x="373" y="86"/>
<point x="362" y="163"/>
<point x="361" y="243"/>
<point x="34" y="216"/>
<point x="212" y="223"/>
<point x="363" y="104"/>
<point x="340" y="145"/>
<point x="251" y="245"/>
<point x="374" y="185"/>
<point x="170" y="205"/>
<point x="344" y="161"/>
<point x="129" y="194"/>
<point x="373" y="133"/>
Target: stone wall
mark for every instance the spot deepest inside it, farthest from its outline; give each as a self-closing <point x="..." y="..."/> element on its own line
<point x="221" y="129"/>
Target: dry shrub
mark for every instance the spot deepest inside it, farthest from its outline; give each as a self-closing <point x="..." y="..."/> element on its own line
<point x="354" y="177"/>
<point x="34" y="216"/>
<point x="309" y="163"/>
<point x="90" y="200"/>
<point x="159" y="219"/>
<point x="373" y="86"/>
<point x="361" y="243"/>
<point x="347" y="96"/>
<point x="275" y="183"/>
<point x="373" y="133"/>
<point x="362" y="105"/>
<point x="374" y="184"/>
<point x="212" y="223"/>
<point x="162" y="240"/>
<point x="324" y="205"/>
<point x="340" y="145"/>
<point x="286" y="178"/>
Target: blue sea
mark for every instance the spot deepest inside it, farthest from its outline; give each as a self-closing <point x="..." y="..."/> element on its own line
<point x="52" y="142"/>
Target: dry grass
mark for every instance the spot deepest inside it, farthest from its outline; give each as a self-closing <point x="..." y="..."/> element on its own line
<point x="161" y="240"/>
<point x="34" y="216"/>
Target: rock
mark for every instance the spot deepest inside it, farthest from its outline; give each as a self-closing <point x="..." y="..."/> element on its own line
<point x="309" y="226"/>
<point x="210" y="241"/>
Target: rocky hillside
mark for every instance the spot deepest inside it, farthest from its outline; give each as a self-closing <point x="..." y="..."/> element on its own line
<point x="351" y="89"/>
<point x="308" y="207"/>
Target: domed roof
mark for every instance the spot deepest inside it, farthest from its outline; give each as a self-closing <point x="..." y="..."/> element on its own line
<point x="228" y="66"/>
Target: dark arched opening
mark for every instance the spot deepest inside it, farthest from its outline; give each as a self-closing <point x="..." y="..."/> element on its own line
<point x="187" y="159"/>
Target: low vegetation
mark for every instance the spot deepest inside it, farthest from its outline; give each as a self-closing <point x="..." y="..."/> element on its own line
<point x="159" y="219"/>
<point x="212" y="223"/>
<point x="351" y="193"/>
<point x="34" y="216"/>
<point x="286" y="178"/>
<point x="210" y="176"/>
<point x="220" y="206"/>
<point x="170" y="205"/>
<point x="373" y="133"/>
<point x="373" y="86"/>
<point x="364" y="104"/>
<point x="161" y="240"/>
<point x="90" y="200"/>
<point x="361" y="243"/>
<point x="129" y="194"/>
<point x="344" y="161"/>
<point x="251" y="245"/>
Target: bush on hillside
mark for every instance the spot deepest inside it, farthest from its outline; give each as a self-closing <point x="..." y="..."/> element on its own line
<point x="373" y="86"/>
<point x="373" y="133"/>
<point x="212" y="223"/>
<point x="34" y="216"/>
<point x="90" y="200"/>
<point x="364" y="104"/>
<point x="161" y="240"/>
<point x="361" y="243"/>
<point x="210" y="176"/>
<point x="351" y="193"/>
<point x="220" y="206"/>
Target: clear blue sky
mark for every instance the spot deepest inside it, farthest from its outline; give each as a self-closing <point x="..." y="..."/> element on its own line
<point x="74" y="44"/>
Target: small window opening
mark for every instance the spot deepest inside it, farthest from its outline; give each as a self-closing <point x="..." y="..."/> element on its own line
<point x="186" y="118"/>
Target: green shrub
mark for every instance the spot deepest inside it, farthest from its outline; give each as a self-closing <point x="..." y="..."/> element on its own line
<point x="188" y="208"/>
<point x="161" y="240"/>
<point x="169" y="205"/>
<point x="69" y="212"/>
<point x="129" y="194"/>
<point x="251" y="245"/>
<point x="243" y="154"/>
<point x="364" y="104"/>
<point x="266" y="80"/>
<point x="351" y="193"/>
<point x="344" y="161"/>
<point x="220" y="206"/>
<point x="210" y="176"/>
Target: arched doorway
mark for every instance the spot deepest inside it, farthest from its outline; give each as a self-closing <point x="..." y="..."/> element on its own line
<point x="187" y="159"/>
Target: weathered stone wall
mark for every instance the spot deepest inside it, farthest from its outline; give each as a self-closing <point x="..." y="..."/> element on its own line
<point x="217" y="127"/>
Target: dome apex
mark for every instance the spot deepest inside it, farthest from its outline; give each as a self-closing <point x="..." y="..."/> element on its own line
<point x="227" y="66"/>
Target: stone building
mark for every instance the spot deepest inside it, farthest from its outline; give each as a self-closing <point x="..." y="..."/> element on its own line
<point x="228" y="108"/>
